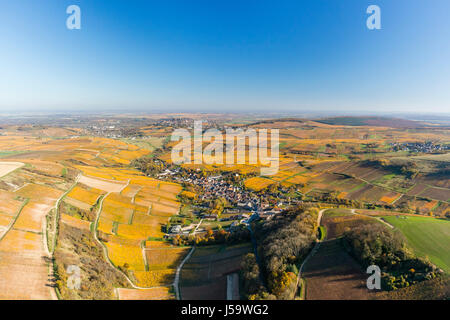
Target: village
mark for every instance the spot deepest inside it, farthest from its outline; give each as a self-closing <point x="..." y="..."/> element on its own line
<point x="420" y="147"/>
<point x="242" y="205"/>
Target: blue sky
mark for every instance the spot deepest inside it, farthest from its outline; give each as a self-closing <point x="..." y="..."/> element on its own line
<point x="225" y="56"/>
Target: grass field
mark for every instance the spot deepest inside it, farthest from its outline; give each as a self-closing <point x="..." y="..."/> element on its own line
<point x="428" y="237"/>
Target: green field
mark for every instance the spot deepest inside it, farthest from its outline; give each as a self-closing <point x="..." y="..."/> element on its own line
<point x="428" y="237"/>
<point x="322" y="233"/>
<point x="9" y="153"/>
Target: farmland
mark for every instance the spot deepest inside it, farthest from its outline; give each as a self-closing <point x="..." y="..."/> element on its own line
<point x="354" y="162"/>
<point x="39" y="172"/>
<point x="7" y="167"/>
<point x="204" y="275"/>
<point x="333" y="267"/>
<point x="134" y="209"/>
<point x="23" y="256"/>
<point x="68" y="197"/>
<point x="333" y="274"/>
<point x="427" y="236"/>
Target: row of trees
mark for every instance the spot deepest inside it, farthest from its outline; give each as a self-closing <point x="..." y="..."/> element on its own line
<point x="283" y="242"/>
<point x="373" y="244"/>
<point x="406" y="168"/>
<point x="240" y="234"/>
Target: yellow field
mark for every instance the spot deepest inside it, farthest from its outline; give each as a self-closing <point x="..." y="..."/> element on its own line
<point x="5" y="221"/>
<point x="131" y="190"/>
<point x="8" y="204"/>
<point x="139" y="231"/>
<point x="122" y="254"/>
<point x="19" y="241"/>
<point x="390" y="198"/>
<point x="165" y="258"/>
<point x="46" y="167"/>
<point x="157" y="244"/>
<point x="155" y="278"/>
<point x="49" y="172"/>
<point x="258" y="183"/>
<point x="42" y="193"/>
<point x="105" y="225"/>
<point x="75" y="222"/>
<point x="131" y="216"/>
<point x="32" y="216"/>
<point x="87" y="196"/>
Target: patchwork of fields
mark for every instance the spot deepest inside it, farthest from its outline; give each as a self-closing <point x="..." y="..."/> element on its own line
<point x="61" y="191"/>
<point x="99" y="193"/>
<point x="24" y="257"/>
<point x="320" y="159"/>
<point x="332" y="273"/>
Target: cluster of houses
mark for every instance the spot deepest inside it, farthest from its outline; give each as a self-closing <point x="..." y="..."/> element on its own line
<point x="423" y="147"/>
<point x="185" y="123"/>
<point x="215" y="187"/>
<point x="245" y="205"/>
<point x="237" y="220"/>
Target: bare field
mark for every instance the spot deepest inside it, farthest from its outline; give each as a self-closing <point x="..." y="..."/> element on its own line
<point x="7" y="167"/>
<point x="102" y="184"/>
<point x="336" y="226"/>
<point x="332" y="274"/>
<point x="24" y="268"/>
<point x="204" y="276"/>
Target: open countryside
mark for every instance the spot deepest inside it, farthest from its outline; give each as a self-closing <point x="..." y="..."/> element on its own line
<point x="111" y="202"/>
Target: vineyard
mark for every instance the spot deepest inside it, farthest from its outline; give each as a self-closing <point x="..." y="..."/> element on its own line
<point x="90" y="183"/>
<point x="78" y="199"/>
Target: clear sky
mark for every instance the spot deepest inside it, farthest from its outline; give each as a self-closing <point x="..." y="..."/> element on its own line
<point x="225" y="56"/>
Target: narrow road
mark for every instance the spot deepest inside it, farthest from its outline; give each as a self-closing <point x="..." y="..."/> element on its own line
<point x="198" y="226"/>
<point x="50" y="251"/>
<point x="176" y="282"/>
<point x="378" y="218"/>
<point x="384" y="222"/>
<point x="105" y="250"/>
<point x="313" y="251"/>
<point x="11" y="224"/>
<point x="55" y="220"/>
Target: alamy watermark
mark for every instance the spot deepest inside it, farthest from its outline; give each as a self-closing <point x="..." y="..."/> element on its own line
<point x="74" y="278"/>
<point x="374" y="281"/>
<point x="73" y="22"/>
<point x="373" y="22"/>
<point x="241" y="147"/>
